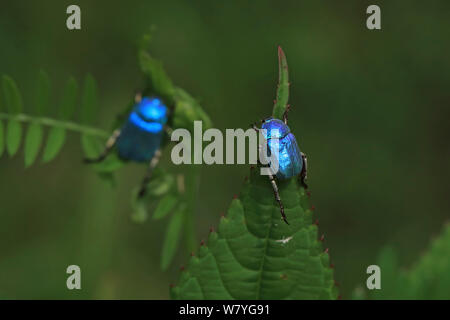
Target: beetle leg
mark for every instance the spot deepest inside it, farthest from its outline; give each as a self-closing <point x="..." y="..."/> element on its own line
<point x="285" y="114"/>
<point x="148" y="175"/>
<point x="277" y="196"/>
<point x="274" y="184"/>
<point x="108" y="147"/>
<point x="255" y="127"/>
<point x="304" y="173"/>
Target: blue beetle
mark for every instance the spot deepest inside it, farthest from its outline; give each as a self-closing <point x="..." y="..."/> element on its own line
<point x="142" y="133"/>
<point x="140" y="137"/>
<point x="291" y="161"/>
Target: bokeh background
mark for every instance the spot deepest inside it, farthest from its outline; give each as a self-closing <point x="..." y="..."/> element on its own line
<point x="370" y="109"/>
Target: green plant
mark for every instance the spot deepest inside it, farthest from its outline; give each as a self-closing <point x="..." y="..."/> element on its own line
<point x="176" y="195"/>
<point x="255" y="255"/>
<point x="14" y="116"/>
<point x="429" y="278"/>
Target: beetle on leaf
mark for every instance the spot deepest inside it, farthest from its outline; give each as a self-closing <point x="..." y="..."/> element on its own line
<point x="291" y="161"/>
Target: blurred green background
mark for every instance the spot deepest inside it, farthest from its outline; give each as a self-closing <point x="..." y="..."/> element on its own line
<point x="370" y="109"/>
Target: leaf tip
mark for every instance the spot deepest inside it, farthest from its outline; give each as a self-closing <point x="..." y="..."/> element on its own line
<point x="282" y="58"/>
<point x="280" y="51"/>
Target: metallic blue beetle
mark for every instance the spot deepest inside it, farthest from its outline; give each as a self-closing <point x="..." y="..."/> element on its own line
<point x="291" y="161"/>
<point x="141" y="136"/>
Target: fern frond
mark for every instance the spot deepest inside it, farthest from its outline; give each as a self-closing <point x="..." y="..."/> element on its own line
<point x="14" y="117"/>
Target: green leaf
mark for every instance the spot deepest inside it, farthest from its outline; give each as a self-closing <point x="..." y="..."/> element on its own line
<point x="12" y="95"/>
<point x="33" y="142"/>
<point x="2" y="139"/>
<point x="172" y="237"/>
<point x="165" y="205"/>
<point x="69" y="99"/>
<point x="13" y="137"/>
<point x="282" y="96"/>
<point x="429" y="278"/>
<point x="89" y="101"/>
<point x="255" y="255"/>
<point x="43" y="93"/>
<point x="158" y="81"/>
<point x="160" y="185"/>
<point x="146" y="39"/>
<point x="188" y="110"/>
<point x="110" y="164"/>
<point x="91" y="146"/>
<point x="55" y="142"/>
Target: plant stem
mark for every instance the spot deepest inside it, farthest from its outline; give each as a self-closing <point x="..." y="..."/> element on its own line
<point x="56" y="123"/>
